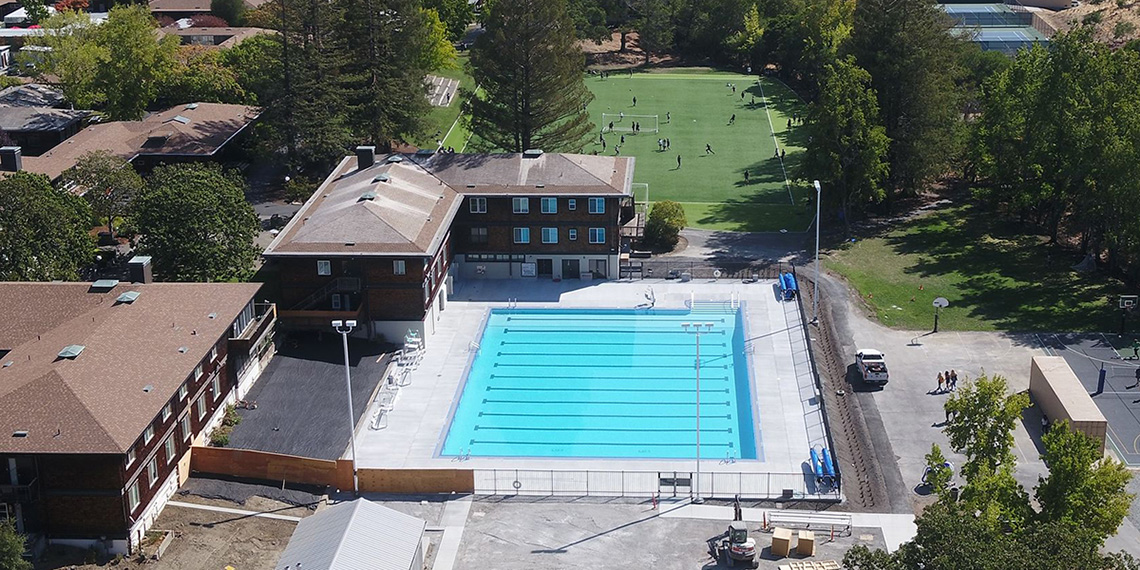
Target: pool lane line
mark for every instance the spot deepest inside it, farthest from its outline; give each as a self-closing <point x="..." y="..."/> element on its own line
<point x="654" y="378"/>
<point x="579" y="389"/>
<point x="627" y="416"/>
<point x="600" y="403"/>
<point x="728" y="445"/>
<point x="605" y="429"/>
<point x="594" y="365"/>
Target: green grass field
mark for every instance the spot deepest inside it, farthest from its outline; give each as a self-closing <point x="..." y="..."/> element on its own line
<point x="442" y="119"/>
<point x="995" y="277"/>
<point x="710" y="186"/>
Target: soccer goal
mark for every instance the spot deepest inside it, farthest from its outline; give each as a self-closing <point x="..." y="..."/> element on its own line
<point x="623" y="123"/>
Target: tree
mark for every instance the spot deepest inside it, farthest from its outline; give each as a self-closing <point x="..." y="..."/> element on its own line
<point x="530" y="69"/>
<point x="1084" y="487"/>
<point x="662" y="229"/>
<point x="911" y="53"/>
<point x="109" y="183"/>
<point x="199" y="75"/>
<point x="71" y="5"/>
<point x="590" y="19"/>
<point x="654" y="28"/>
<point x="196" y="224"/>
<point x="455" y="14"/>
<point x="256" y="67"/>
<point x="232" y="11"/>
<point x="45" y="233"/>
<point x="848" y="146"/>
<point x="438" y="52"/>
<point x="12" y="545"/>
<point x="746" y="41"/>
<point x="984" y="416"/>
<point x="36" y="10"/>
<point x="938" y="475"/>
<point x="73" y="56"/>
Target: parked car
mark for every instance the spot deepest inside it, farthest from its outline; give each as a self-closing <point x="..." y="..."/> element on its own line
<point x="872" y="366"/>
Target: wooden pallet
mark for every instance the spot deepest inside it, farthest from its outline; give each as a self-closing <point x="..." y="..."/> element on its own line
<point x="811" y="565"/>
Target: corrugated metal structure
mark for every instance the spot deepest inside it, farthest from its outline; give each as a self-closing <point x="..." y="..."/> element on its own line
<point x="356" y="535"/>
<point x="1059" y="393"/>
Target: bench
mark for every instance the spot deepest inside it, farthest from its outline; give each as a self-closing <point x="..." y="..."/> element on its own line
<point x="808" y="520"/>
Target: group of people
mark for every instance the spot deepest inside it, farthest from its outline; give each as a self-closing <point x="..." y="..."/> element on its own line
<point x="796" y="119"/>
<point x="662" y="145"/>
<point x="947" y="381"/>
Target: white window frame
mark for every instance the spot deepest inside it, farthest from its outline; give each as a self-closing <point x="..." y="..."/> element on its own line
<point x="571" y="204"/>
<point x="213" y="353"/>
<point x="522" y="235"/>
<point x="185" y="427"/>
<point x="600" y="203"/>
<point x="166" y="412"/>
<point x="324" y="267"/>
<point x="520" y="205"/>
<point x="182" y="392"/>
<point x="152" y="471"/>
<point x="572" y="234"/>
<point x="171" y="449"/>
<point x="599" y="234"/>
<point x="399" y="267"/>
<point x="553" y="205"/>
<point x="477" y="205"/>
<point x="148" y="434"/>
<point x="198" y="371"/>
<point x="130" y="456"/>
<point x="201" y="406"/>
<point x="133" y="496"/>
<point x="216" y="384"/>
<point x="553" y="232"/>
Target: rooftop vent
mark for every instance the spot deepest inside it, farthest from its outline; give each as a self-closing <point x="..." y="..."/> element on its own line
<point x="192" y="106"/>
<point x="183" y="349"/>
<point x="395" y="158"/>
<point x="540" y="186"/>
<point x="532" y="153"/>
<point x="105" y="284"/>
<point x="181" y="119"/>
<point x="128" y="297"/>
<point x="140" y="269"/>
<point x="470" y="185"/>
<point x="382" y="177"/>
<point x="71" y="351"/>
<point x="212" y="316"/>
<point x="367" y="196"/>
<point x="365" y="157"/>
<point x="9" y="363"/>
<point x="20" y="433"/>
<point x="148" y="388"/>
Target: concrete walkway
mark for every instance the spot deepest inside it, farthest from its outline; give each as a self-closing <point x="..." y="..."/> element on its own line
<point x="453" y="520"/>
<point x="230" y="511"/>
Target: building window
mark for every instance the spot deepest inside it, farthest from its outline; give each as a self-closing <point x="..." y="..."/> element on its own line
<point x="572" y="234"/>
<point x="336" y="306"/>
<point x="597" y="205"/>
<point x="133" y="496"/>
<point x="522" y="235"/>
<point x="213" y="353"/>
<point x="186" y="427"/>
<point x="170" y="450"/>
<point x="201" y="404"/>
<point x="130" y="456"/>
<point x="148" y="434"/>
<point x="324" y="267"/>
<point x="571" y="204"/>
<point x="478" y="235"/>
<point x="597" y="235"/>
<point x="549" y="235"/>
<point x="198" y="371"/>
<point x="152" y="471"/>
<point x="550" y="205"/>
<point x="182" y="392"/>
<point x="166" y="412"/>
<point x="520" y="205"/>
<point x="478" y="205"/>
<point x="217" y="387"/>
<point x="398" y="267"/>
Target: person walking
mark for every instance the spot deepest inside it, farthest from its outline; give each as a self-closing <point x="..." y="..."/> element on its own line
<point x="1136" y="349"/>
<point x="746" y="176"/>
<point x="953" y="380"/>
<point x="635" y="101"/>
<point x="666" y="117"/>
<point x="678" y="162"/>
<point x="941" y="381"/>
<point x="782" y="151"/>
<point x="623" y="139"/>
<point x="753" y="99"/>
<point x="708" y="149"/>
<point x="732" y="119"/>
<point x="603" y="143"/>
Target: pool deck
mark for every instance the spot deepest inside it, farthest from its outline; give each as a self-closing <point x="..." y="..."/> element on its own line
<point x="790" y="418"/>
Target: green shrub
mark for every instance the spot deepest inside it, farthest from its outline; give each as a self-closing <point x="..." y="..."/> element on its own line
<point x="220" y="437"/>
<point x="231" y="417"/>
<point x="299" y="189"/>
<point x="664" y="225"/>
<point x="1123" y="28"/>
<point x="1093" y="18"/>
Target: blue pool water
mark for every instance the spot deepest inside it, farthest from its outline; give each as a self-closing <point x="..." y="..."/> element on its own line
<point x="605" y="383"/>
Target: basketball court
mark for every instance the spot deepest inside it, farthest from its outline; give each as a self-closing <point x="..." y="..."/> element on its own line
<point x="1087" y="354"/>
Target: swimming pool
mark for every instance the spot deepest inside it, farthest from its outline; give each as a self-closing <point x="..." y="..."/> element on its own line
<point x="605" y="383"/>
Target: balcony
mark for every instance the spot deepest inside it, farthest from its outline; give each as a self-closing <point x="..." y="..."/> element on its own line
<point x="317" y="319"/>
<point x="20" y="494"/>
<point x="261" y="327"/>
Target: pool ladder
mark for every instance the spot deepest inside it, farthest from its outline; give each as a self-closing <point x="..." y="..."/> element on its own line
<point x="513" y="303"/>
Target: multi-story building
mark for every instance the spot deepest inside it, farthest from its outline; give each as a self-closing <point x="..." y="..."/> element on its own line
<point x="104" y="388"/>
<point x="381" y="240"/>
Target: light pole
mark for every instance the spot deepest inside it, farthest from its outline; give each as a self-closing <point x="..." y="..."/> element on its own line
<point x="696" y="330"/>
<point x="815" y="287"/>
<point x="344" y="328"/>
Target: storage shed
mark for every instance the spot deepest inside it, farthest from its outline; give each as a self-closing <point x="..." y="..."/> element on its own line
<point x="356" y="535"/>
<point x="1059" y="393"/>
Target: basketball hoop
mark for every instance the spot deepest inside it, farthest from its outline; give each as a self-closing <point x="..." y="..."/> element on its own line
<point x="1128" y="302"/>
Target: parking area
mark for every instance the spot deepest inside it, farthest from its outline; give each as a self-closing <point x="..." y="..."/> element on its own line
<point x="1087" y="355"/>
<point x="301" y="398"/>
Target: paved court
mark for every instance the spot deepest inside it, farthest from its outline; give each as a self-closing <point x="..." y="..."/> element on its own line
<point x="1120" y="400"/>
<point x="441" y="90"/>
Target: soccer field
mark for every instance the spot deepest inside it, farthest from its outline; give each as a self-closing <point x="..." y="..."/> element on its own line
<point x="711" y="187"/>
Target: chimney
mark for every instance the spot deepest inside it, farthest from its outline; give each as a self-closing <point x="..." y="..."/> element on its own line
<point x="10" y="160"/>
<point x="365" y="157"/>
<point x="140" y="270"/>
<point x="532" y="153"/>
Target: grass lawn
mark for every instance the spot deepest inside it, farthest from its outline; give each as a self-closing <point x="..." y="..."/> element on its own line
<point x="441" y="119"/>
<point x="711" y="187"/>
<point x="995" y="277"/>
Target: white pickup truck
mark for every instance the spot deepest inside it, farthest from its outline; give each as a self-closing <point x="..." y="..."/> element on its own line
<point x="872" y="366"/>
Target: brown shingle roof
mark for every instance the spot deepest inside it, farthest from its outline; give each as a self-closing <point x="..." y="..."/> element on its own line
<point x="207" y="127"/>
<point x="225" y="37"/>
<point x="412" y="211"/>
<point x="95" y="403"/>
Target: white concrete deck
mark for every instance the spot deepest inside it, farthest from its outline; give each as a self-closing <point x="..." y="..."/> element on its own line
<point x="790" y="419"/>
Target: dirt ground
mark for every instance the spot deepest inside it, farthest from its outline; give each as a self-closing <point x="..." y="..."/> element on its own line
<point x="205" y="539"/>
<point x="1112" y="14"/>
<point x="608" y="55"/>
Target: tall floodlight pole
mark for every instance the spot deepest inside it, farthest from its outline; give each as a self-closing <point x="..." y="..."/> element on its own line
<point x="696" y="330"/>
<point x="815" y="289"/>
<point x="344" y="328"/>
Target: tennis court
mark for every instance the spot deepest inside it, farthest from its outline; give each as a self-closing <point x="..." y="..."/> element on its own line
<point x="1006" y="39"/>
<point x="1087" y="354"/>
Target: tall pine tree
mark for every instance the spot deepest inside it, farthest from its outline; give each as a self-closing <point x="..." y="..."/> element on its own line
<point x="530" y="69"/>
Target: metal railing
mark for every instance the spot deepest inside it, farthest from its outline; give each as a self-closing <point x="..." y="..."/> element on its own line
<point x="665" y="484"/>
<point x="337" y="285"/>
<point x="726" y="270"/>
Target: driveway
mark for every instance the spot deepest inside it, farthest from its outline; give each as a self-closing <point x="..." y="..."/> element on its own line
<point x="713" y="244"/>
